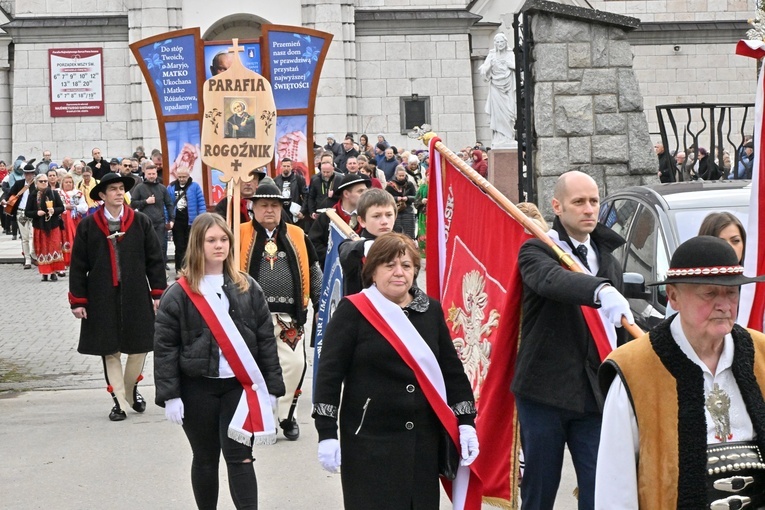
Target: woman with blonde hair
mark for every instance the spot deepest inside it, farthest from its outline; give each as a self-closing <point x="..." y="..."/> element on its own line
<point x="215" y="364"/>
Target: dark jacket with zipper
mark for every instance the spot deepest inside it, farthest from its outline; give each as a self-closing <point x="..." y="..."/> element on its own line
<point x="557" y="361"/>
<point x="184" y="344"/>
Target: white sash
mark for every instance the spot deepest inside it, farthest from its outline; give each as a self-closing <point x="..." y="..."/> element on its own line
<point x="236" y="430"/>
<point x="423" y="355"/>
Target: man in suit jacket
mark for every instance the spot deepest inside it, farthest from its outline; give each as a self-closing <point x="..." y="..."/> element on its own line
<point x="555" y="384"/>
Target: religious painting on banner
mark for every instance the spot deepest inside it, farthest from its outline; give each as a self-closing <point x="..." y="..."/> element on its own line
<point x="239" y="131"/>
<point x="481" y="295"/>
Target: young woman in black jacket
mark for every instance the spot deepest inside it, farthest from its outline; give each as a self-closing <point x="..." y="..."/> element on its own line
<point x="205" y="362"/>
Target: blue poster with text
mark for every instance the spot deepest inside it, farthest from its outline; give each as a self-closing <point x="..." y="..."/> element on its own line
<point x="293" y="59"/>
<point x="172" y="65"/>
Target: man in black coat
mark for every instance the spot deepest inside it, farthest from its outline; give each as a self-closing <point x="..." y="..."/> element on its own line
<point x="116" y="278"/>
<point x="347" y="152"/>
<point x="666" y="166"/>
<point x="322" y="187"/>
<point x="555" y="384"/>
<point x="152" y="198"/>
<point x="293" y="189"/>
<point x="99" y="165"/>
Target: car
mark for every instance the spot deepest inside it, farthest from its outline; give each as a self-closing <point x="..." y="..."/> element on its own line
<point x="655" y="220"/>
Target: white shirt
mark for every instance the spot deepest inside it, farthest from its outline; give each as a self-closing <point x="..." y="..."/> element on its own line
<point x="216" y="282"/>
<point x="616" y="472"/>
<point x="592" y="257"/>
<point x="25" y="197"/>
<point x="109" y="215"/>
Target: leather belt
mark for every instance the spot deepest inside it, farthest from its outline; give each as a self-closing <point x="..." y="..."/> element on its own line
<point x="735" y="476"/>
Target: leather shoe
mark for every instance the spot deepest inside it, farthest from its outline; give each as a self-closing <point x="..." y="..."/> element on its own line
<point x="27" y="266"/>
<point x="53" y="277"/>
<point x="139" y="404"/>
<point x="117" y="414"/>
<point x="290" y="429"/>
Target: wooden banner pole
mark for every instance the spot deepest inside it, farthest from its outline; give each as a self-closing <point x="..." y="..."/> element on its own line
<point x="517" y="215"/>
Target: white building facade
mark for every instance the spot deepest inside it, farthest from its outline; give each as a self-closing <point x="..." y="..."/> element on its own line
<point x="383" y="51"/>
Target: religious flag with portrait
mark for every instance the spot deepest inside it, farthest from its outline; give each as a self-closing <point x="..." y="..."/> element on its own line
<point x="752" y="304"/>
<point x="472" y="256"/>
<point x="331" y="290"/>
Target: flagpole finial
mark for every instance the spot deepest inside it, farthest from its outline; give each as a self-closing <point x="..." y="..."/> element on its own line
<point x="423" y="133"/>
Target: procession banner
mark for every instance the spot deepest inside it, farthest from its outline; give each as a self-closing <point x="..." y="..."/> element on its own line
<point x="331" y="290"/>
<point x="76" y="82"/>
<point x="752" y="305"/>
<point x="481" y="296"/>
<point x="171" y="66"/>
<point x="292" y="60"/>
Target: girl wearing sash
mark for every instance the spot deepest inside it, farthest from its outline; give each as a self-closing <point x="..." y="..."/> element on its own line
<point x="215" y="364"/>
<point x="386" y="352"/>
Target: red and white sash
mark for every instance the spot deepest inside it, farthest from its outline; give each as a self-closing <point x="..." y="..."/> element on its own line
<point x="390" y="321"/>
<point x="253" y="415"/>
<point x="603" y="332"/>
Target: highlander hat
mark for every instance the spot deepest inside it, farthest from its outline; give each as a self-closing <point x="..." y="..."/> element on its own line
<point x="706" y="260"/>
<point x="29" y="167"/>
<point x="267" y="190"/>
<point x="108" y="179"/>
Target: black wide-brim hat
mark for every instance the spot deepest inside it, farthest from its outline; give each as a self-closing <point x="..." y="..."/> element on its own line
<point x="267" y="190"/>
<point x="706" y="260"/>
<point x="108" y="179"/>
<point x="349" y="180"/>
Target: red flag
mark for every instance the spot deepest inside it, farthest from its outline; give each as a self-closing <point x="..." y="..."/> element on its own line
<point x="752" y="304"/>
<point x="472" y="269"/>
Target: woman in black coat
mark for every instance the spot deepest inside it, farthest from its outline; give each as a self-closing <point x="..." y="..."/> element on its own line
<point x="200" y="387"/>
<point x="44" y="207"/>
<point x="404" y="193"/>
<point x="389" y="432"/>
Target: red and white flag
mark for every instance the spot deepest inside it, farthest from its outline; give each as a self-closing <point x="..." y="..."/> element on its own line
<point x="472" y="269"/>
<point x="752" y="304"/>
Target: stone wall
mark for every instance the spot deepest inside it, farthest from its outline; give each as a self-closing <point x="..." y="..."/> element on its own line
<point x="588" y="110"/>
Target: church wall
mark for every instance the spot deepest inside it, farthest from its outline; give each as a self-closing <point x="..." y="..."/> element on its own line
<point x="34" y="130"/>
<point x="437" y="66"/>
<point x="197" y="13"/>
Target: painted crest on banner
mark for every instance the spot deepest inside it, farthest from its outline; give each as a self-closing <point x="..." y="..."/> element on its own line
<point x="238" y="131"/>
<point x="470" y="292"/>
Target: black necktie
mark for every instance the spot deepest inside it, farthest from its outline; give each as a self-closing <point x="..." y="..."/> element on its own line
<point x="581" y="250"/>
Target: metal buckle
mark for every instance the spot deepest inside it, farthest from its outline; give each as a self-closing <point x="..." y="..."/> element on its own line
<point x="733" y="484"/>
<point x="730" y="503"/>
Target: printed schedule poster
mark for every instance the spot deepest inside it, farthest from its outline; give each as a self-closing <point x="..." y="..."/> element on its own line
<point x="293" y="65"/>
<point x="76" y="82"/>
<point x="172" y="65"/>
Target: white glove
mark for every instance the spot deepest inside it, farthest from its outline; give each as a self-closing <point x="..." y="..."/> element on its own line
<point x="468" y="444"/>
<point x="174" y="411"/>
<point x="614" y="306"/>
<point x="274" y="402"/>
<point x="329" y="455"/>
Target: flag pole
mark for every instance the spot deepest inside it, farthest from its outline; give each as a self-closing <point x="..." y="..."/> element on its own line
<point x="517" y="215"/>
<point x="341" y="225"/>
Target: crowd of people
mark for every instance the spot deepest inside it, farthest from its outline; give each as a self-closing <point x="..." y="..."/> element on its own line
<point x="692" y="164"/>
<point x="391" y="396"/>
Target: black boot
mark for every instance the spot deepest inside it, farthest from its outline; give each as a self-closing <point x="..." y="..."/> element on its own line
<point x="53" y="277"/>
<point x="45" y="278"/>
<point x="290" y="428"/>
<point x="139" y="404"/>
<point x="117" y="414"/>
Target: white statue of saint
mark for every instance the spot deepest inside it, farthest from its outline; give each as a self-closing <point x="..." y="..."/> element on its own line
<point x="499" y="70"/>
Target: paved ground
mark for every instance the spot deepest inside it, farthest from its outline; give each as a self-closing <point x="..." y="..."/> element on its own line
<point x="60" y="451"/>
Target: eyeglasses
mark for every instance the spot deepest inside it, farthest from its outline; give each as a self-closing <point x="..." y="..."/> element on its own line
<point x="40" y="180"/>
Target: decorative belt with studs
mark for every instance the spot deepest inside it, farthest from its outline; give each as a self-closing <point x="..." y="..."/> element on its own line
<point x="735" y="476"/>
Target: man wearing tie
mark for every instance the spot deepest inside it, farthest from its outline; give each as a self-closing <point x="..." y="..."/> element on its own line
<point x="555" y="383"/>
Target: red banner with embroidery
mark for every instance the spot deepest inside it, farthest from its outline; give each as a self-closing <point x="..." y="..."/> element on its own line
<point x="472" y="269"/>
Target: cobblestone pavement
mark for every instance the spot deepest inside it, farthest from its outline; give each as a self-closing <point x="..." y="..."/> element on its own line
<point x="38" y="336"/>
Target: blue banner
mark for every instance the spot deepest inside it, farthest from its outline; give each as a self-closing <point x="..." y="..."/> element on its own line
<point x="293" y="59"/>
<point x="331" y="290"/>
<point x="172" y="65"/>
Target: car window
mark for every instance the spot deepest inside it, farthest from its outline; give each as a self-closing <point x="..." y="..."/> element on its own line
<point x="662" y="266"/>
<point x="688" y="221"/>
<point x="641" y="247"/>
<point x="618" y="217"/>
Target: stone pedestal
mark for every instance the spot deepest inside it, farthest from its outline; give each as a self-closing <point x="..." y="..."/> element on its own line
<point x="503" y="172"/>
